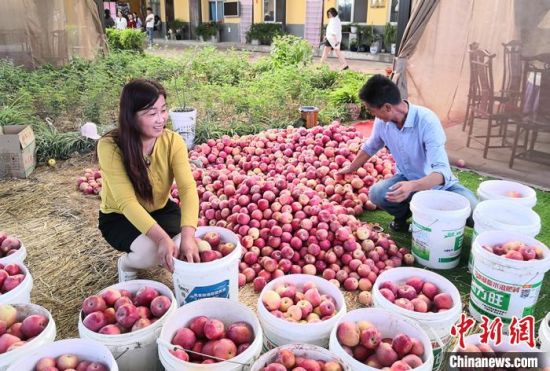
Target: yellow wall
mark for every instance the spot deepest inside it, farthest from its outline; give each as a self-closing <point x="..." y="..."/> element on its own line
<point x="296" y="12"/>
<point x="181" y="10"/>
<point x="163" y="11"/>
<point x="378" y="16"/>
<point x="258" y="11"/>
<point x="328" y="4"/>
<point x="204" y="10"/>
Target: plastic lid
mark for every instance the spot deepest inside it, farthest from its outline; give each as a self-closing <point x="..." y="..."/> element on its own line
<point x="89" y="130"/>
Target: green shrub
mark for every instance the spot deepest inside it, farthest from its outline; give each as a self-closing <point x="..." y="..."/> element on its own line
<point x="264" y="32"/>
<point x="129" y="39"/>
<point x="291" y="50"/>
<point x="207" y="30"/>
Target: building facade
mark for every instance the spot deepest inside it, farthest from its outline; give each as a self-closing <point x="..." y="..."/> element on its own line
<point x="302" y="18"/>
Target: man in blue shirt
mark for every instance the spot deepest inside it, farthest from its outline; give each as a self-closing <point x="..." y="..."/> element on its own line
<point x="416" y="140"/>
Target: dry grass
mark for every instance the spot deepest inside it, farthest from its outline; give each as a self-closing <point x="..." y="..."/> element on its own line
<point x="67" y="255"/>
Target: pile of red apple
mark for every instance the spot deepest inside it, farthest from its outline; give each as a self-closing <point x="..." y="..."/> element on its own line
<point x="8" y="244"/>
<point x="15" y="334"/>
<point x="90" y="183"/>
<point x="11" y="275"/>
<point x="67" y="362"/>
<point x="299" y="304"/>
<point x="280" y="192"/>
<point x="516" y="250"/>
<point x="286" y="360"/>
<point x="417" y="295"/>
<point x="365" y="343"/>
<point x="212" y="247"/>
<point x="115" y="312"/>
<point x="206" y="340"/>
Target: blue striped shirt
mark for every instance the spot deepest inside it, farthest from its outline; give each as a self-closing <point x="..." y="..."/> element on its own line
<point x="418" y="147"/>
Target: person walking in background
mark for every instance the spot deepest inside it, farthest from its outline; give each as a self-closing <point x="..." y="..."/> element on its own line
<point x="333" y="38"/>
<point x="150" y="25"/>
<point x="139" y="161"/>
<point x="120" y="21"/>
<point x="109" y="21"/>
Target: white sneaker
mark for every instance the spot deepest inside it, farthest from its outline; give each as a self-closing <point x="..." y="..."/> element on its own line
<point x="125" y="275"/>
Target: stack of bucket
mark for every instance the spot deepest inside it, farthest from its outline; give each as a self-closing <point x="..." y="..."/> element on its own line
<point x="501" y="287"/>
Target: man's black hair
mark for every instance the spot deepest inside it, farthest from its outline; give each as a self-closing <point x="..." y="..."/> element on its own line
<point x="379" y="90"/>
<point x="332" y="11"/>
<point x="149" y="9"/>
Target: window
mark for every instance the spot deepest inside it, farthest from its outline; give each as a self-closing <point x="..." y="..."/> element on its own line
<point x="215" y="10"/>
<point x="394" y="11"/>
<point x="274" y="11"/>
<point x="345" y="10"/>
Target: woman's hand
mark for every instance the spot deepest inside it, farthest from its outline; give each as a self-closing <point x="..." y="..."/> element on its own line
<point x="167" y="250"/>
<point x="189" y="249"/>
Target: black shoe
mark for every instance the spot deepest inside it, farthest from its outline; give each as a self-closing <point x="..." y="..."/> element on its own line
<point x="345" y="68"/>
<point x="400" y="225"/>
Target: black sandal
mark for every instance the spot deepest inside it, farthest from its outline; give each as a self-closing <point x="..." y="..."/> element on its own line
<point x="399" y="226"/>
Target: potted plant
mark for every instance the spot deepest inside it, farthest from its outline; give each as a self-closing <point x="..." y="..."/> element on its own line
<point x="375" y="46"/>
<point x="353" y="28"/>
<point x="183" y="117"/>
<point x="390" y="37"/>
<point x="353" y="45"/>
<point x="253" y="35"/>
<point x="208" y="31"/>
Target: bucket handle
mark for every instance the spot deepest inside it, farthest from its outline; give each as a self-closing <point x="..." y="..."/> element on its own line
<point x="136" y="345"/>
<point x="171" y="346"/>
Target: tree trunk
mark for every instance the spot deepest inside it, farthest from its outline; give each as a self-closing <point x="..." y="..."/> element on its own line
<point x="194" y="17"/>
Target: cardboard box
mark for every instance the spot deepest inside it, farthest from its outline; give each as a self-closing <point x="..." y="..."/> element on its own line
<point x="17" y="151"/>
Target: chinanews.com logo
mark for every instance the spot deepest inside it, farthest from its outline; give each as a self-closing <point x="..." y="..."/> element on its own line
<point x="492" y="350"/>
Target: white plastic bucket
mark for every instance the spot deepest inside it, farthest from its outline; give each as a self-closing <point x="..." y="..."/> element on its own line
<point x="85" y="350"/>
<point x="300" y="350"/>
<point x="278" y="331"/>
<point x="437" y="325"/>
<point x="225" y="310"/>
<point x="18" y="256"/>
<point x="498" y="189"/>
<point x="389" y="325"/>
<point x="544" y="334"/>
<point x="504" y="287"/>
<point x="184" y="124"/>
<point x="439" y="218"/>
<point x="136" y="350"/>
<point x="503" y="215"/>
<point x="46" y="336"/>
<point x="218" y="278"/>
<point x="20" y="294"/>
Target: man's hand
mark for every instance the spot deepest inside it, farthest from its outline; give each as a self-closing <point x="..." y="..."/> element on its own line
<point x="167" y="250"/>
<point x="400" y="191"/>
<point x="345" y="170"/>
<point x="189" y="249"/>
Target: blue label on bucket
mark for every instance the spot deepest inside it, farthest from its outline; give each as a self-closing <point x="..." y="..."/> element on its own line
<point x="217" y="290"/>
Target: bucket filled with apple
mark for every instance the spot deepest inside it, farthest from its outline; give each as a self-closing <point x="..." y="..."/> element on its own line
<point x="12" y="249"/>
<point x="423" y="296"/>
<point x="372" y="339"/>
<point x="308" y="357"/>
<point x="68" y="354"/>
<point x="210" y="334"/>
<point x="506" y="264"/>
<point x="15" y="284"/>
<point x="505" y="189"/>
<point x="219" y="251"/>
<point x="299" y="308"/>
<point x="24" y="328"/>
<point x="127" y="318"/>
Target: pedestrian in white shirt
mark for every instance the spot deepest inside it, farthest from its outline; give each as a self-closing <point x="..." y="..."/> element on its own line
<point x="333" y="38"/>
<point x="120" y="22"/>
<point x="150" y="25"/>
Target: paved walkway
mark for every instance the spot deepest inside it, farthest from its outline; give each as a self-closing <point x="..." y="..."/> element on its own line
<point x="360" y="62"/>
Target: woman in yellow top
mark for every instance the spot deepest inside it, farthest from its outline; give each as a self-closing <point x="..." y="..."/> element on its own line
<point x="139" y="161"/>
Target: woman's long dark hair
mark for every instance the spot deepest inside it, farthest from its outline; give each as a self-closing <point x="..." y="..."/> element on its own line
<point x="137" y="95"/>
